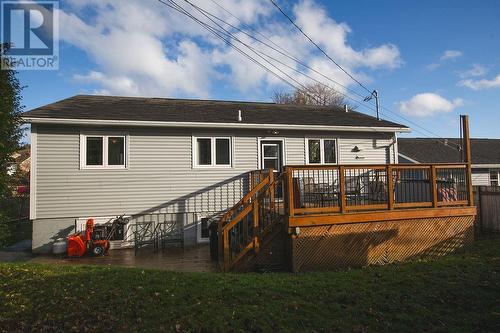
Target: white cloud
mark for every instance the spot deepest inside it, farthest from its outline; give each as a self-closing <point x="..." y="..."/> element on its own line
<point x="433" y="66"/>
<point x="315" y="22"/>
<point x="428" y="104"/>
<point x="145" y="48"/>
<point x="481" y="84"/>
<point x="446" y="56"/>
<point x="450" y="54"/>
<point x="476" y="70"/>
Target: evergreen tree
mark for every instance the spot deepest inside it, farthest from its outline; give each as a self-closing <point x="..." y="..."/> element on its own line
<point x="10" y="122"/>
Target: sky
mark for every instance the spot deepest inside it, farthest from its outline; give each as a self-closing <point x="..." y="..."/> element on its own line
<point x="429" y="60"/>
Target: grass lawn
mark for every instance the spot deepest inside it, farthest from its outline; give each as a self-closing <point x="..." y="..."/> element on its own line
<point x="455" y="293"/>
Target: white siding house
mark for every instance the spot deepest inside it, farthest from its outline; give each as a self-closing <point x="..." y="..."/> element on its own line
<point x="85" y="164"/>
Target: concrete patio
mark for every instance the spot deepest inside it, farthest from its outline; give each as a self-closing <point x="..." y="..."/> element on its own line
<point x="196" y="259"/>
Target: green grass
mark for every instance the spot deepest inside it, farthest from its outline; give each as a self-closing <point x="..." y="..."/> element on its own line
<point x="459" y="293"/>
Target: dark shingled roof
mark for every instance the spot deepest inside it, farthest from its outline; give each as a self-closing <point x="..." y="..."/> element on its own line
<point x="425" y="150"/>
<point x="204" y="111"/>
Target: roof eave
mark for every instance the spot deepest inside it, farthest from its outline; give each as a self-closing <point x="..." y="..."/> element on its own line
<point x="100" y="122"/>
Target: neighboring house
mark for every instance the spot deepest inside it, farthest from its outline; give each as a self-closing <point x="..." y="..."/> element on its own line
<point x="485" y="156"/>
<point x="183" y="160"/>
<point x="21" y="161"/>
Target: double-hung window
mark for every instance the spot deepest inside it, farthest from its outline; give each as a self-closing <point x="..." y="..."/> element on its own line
<point x="212" y="152"/>
<point x="321" y="151"/>
<point x="103" y="151"/>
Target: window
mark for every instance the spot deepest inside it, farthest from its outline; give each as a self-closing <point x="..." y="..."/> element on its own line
<point x="102" y="151"/>
<point x="494" y="177"/>
<point x="210" y="152"/>
<point x="321" y="151"/>
<point x="94" y="150"/>
<point x="205" y="231"/>
<point x="116" y="150"/>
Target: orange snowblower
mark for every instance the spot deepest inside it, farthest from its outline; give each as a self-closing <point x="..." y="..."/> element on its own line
<point x="94" y="240"/>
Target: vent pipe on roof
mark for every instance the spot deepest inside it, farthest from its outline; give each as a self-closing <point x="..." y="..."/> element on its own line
<point x="345" y="108"/>
<point x="240" y="117"/>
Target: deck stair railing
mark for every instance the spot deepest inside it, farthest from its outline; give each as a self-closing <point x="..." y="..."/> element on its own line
<point x="243" y="228"/>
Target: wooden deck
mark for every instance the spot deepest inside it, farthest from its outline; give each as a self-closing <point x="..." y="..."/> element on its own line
<point x="349" y="215"/>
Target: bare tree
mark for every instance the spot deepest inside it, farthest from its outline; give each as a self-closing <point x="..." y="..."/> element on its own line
<point x="312" y="94"/>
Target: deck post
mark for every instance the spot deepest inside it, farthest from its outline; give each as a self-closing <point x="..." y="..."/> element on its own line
<point x="271" y="188"/>
<point x="390" y="185"/>
<point x="343" y="201"/>
<point x="256" y="231"/>
<point x="290" y="204"/>
<point x="226" y="250"/>
<point x="468" y="158"/>
<point x="433" y="183"/>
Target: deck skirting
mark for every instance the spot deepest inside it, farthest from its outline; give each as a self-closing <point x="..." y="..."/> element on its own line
<point x="323" y="247"/>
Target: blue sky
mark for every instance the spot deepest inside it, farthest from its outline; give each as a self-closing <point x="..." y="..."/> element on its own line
<point x="430" y="60"/>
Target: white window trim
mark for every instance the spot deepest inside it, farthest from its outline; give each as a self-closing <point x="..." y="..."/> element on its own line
<point x="260" y="153"/>
<point x="322" y="151"/>
<point x="33" y="171"/>
<point x="213" y="140"/>
<point x="200" y="239"/>
<point x="105" y="136"/>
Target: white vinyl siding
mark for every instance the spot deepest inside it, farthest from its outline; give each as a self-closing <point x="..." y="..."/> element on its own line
<point x="160" y="176"/>
<point x="371" y="151"/>
<point x="480" y="177"/>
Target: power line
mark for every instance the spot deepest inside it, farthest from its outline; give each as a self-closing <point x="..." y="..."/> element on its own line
<point x="172" y="4"/>
<point x="277" y="49"/>
<point x="217" y="33"/>
<point x="338" y="65"/>
<point x="318" y="47"/>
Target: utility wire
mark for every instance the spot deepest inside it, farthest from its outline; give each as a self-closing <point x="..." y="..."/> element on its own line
<point x="172" y="4"/>
<point x="319" y="48"/>
<point x="338" y="65"/>
<point x="216" y="32"/>
<point x="277" y="49"/>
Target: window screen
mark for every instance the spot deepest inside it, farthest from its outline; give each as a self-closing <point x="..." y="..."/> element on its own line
<point x="204" y="151"/>
<point x="94" y="150"/>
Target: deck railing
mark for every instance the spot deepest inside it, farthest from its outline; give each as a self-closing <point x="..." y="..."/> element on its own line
<point x="351" y="188"/>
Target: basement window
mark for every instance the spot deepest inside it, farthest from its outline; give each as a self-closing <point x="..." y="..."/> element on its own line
<point x="212" y="152"/>
<point x="321" y="151"/>
<point x="103" y="151"/>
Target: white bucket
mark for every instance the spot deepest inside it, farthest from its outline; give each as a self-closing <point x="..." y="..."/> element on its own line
<point x="59" y="246"/>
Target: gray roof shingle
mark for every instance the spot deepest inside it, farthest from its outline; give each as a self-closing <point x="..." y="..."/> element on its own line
<point x="426" y="150"/>
<point x="86" y="107"/>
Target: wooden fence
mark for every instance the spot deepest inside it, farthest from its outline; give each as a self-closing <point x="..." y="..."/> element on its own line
<point x="487" y="200"/>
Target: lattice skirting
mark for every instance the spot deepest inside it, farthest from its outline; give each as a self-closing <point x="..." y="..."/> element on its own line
<point x="358" y="244"/>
